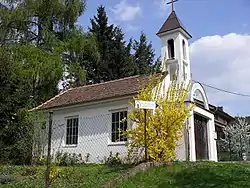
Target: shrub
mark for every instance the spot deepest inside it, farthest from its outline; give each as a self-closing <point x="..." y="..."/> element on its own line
<point x="67" y="159"/>
<point x="54" y="173"/>
<point x="113" y="160"/>
<point x="39" y="160"/>
<point x="30" y="171"/>
<point x="5" y="178"/>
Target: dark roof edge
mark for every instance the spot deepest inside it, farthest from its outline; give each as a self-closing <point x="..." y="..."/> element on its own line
<point x="188" y="34"/>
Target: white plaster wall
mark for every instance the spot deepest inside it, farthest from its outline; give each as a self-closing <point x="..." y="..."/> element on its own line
<point x="94" y="130"/>
<point x="181" y="149"/>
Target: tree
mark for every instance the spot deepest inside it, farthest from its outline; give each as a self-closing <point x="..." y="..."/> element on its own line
<point x="237" y="137"/>
<point x="25" y="21"/>
<point x="121" y="61"/>
<point x="116" y="60"/>
<point x="144" y="55"/>
<point x="81" y="57"/>
<point x="31" y="47"/>
<point x="164" y="125"/>
<point x="103" y="33"/>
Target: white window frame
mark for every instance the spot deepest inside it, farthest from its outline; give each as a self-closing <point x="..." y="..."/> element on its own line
<point x="65" y="128"/>
<point x="110" y="142"/>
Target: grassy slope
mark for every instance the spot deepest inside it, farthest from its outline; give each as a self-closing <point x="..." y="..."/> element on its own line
<point x="73" y="177"/>
<point x="193" y="175"/>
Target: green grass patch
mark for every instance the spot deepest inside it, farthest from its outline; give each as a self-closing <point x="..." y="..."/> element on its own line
<point x="193" y="175"/>
<point x="73" y="177"/>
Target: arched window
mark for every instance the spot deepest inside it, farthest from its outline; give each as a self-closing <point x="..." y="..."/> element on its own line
<point x="170" y="49"/>
<point x="184" y="50"/>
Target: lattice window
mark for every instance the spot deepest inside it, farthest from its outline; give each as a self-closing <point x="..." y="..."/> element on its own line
<point x="72" y="131"/>
<point x="118" y="126"/>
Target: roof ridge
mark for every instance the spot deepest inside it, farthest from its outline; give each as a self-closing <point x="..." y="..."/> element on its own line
<point x="110" y="81"/>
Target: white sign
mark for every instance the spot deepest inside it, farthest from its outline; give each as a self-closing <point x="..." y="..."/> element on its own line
<point x="151" y="105"/>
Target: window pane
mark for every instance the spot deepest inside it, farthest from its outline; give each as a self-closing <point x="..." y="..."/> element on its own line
<point x="113" y="117"/>
<point x="113" y="137"/>
<point x="75" y="139"/>
<point x="113" y="127"/>
<point x="117" y="137"/>
<point x="117" y="116"/>
<point x="67" y="140"/>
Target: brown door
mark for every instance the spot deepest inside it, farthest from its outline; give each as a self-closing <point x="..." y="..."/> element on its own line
<point x="201" y="139"/>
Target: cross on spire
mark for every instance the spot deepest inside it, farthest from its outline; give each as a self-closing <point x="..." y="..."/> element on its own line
<point x="172" y="3"/>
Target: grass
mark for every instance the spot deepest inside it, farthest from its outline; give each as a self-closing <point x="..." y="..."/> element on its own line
<point x="73" y="177"/>
<point x="193" y="175"/>
<point x="183" y="175"/>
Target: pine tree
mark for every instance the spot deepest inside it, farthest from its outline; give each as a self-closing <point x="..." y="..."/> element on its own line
<point x="116" y="60"/>
<point x="103" y="33"/>
<point x="121" y="62"/>
<point x="144" y="55"/>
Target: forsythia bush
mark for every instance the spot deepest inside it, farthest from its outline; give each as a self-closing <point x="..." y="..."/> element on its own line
<point x="164" y="125"/>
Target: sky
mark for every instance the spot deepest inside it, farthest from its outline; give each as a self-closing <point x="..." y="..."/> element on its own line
<point x="219" y="49"/>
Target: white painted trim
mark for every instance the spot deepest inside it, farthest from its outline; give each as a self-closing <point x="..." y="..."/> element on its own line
<point x="198" y="86"/>
<point x="64" y="145"/>
<point x="212" y="149"/>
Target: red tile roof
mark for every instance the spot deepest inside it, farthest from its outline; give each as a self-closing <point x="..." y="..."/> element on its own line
<point x="116" y="88"/>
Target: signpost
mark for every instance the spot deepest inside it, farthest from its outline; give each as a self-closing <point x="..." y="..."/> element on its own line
<point x="145" y="105"/>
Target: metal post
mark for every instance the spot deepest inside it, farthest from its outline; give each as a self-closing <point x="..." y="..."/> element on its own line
<point x="48" y="164"/>
<point x="145" y="135"/>
<point x="230" y="154"/>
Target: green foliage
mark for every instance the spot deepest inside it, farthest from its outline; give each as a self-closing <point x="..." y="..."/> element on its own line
<point x="5" y="179"/>
<point x="113" y="160"/>
<point x="80" y="57"/>
<point x="39" y="160"/>
<point x="29" y="171"/>
<point x="68" y="159"/>
<point x="31" y="66"/>
<point x="144" y="55"/>
<point x="119" y="58"/>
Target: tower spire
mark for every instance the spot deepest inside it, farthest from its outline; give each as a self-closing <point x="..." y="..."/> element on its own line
<point x="172" y="4"/>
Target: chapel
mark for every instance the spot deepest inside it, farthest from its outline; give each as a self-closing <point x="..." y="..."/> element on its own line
<point x="88" y="117"/>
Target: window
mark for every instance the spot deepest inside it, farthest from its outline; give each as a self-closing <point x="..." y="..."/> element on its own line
<point x="184" y="50"/>
<point x="184" y="71"/>
<point x="171" y="49"/>
<point x="72" y="131"/>
<point x="118" y="126"/>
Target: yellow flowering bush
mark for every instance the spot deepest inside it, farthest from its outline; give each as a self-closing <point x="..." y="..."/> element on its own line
<point x="164" y="125"/>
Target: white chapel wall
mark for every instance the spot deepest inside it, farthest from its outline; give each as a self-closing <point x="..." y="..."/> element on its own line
<point x="94" y="131"/>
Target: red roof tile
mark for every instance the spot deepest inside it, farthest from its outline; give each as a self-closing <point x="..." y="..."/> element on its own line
<point x="116" y="88"/>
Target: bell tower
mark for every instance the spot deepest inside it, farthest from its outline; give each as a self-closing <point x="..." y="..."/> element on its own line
<point x="174" y="48"/>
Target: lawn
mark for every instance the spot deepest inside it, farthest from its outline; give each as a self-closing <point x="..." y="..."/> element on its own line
<point x="193" y="175"/>
<point x="73" y="177"/>
<point x="183" y="175"/>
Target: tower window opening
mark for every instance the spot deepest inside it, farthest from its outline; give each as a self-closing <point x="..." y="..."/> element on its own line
<point x="171" y="49"/>
<point x="184" y="50"/>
